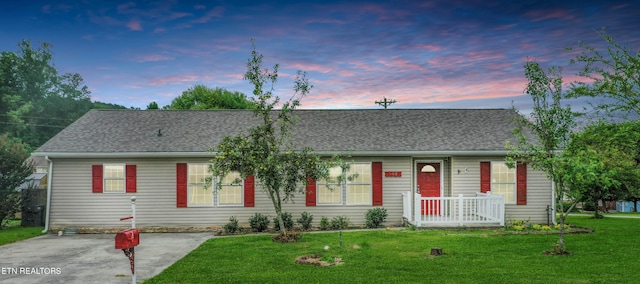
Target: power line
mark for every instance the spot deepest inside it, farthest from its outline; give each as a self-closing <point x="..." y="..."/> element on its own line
<point x="39" y="117"/>
<point x="31" y="124"/>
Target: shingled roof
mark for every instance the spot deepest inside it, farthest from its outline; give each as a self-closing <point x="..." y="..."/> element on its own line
<point x="359" y="131"/>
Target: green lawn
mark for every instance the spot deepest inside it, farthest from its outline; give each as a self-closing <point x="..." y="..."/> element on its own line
<point x="14" y="232"/>
<point x="608" y="255"/>
<point x="632" y="214"/>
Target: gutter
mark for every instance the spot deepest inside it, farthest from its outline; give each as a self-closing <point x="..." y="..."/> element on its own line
<point x="553" y="202"/>
<point x="49" y="183"/>
<point x="213" y="154"/>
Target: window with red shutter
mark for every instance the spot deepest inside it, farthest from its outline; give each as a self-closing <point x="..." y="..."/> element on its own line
<point x="485" y="177"/>
<point x="521" y="184"/>
<point x="96" y="173"/>
<point x="249" y="192"/>
<point x="376" y="183"/>
<point x="130" y="171"/>
<point x="181" y="185"/>
<point x="310" y="192"/>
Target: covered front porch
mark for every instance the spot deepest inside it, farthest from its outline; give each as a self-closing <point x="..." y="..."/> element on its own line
<point x="483" y="209"/>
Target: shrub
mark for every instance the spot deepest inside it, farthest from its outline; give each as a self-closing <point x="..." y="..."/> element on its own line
<point x="305" y="220"/>
<point x="375" y="217"/>
<point x="518" y="224"/>
<point x="259" y="222"/>
<point x="286" y="219"/>
<point x="340" y="222"/>
<point x="232" y="227"/>
<point x="324" y="223"/>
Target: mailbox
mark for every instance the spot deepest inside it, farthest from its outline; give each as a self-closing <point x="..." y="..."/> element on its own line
<point x="127" y="239"/>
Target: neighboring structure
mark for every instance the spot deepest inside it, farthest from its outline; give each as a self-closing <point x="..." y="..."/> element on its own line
<point x="445" y="155"/>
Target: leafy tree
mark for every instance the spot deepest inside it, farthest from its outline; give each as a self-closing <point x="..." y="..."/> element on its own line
<point x="152" y="105"/>
<point x="613" y="149"/>
<point x="13" y="172"/>
<point x="614" y="75"/>
<point x="101" y="105"/>
<point x="203" y="97"/>
<point x="541" y="137"/>
<point x="267" y="151"/>
<point x="36" y="102"/>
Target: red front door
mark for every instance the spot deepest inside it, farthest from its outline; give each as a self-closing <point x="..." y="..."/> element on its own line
<point x="429" y="186"/>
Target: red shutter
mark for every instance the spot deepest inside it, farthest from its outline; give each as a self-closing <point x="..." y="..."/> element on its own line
<point x="521" y="184"/>
<point x="181" y="185"/>
<point x="485" y="177"/>
<point x="376" y="183"/>
<point x="130" y="172"/>
<point x="249" y="192"/>
<point x="310" y="193"/>
<point x="96" y="173"/>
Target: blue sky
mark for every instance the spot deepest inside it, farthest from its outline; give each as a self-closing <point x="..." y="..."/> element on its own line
<point x="424" y="54"/>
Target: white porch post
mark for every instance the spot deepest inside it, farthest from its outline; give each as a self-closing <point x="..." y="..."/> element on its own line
<point x="460" y="209"/>
<point x="501" y="209"/>
<point x="416" y="209"/>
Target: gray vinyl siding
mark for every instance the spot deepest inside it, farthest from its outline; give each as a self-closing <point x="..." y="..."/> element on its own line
<point x="74" y="205"/>
<point x="538" y="189"/>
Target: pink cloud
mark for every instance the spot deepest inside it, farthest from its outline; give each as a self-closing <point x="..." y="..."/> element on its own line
<point x="153" y="58"/>
<point x="178" y="15"/>
<point x="430" y="47"/>
<point x="177" y="79"/>
<point x="541" y="15"/>
<point x="484" y="55"/>
<point x="505" y="27"/>
<point x="402" y="64"/>
<point x="311" y="67"/>
<point x="134" y="25"/>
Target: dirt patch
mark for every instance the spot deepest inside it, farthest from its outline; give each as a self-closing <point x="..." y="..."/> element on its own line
<point x="316" y="259"/>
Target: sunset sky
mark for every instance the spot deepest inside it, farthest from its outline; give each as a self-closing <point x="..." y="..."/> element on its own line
<point x="424" y="54"/>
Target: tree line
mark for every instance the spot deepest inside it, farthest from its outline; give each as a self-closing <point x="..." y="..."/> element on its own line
<point x="36" y="102"/>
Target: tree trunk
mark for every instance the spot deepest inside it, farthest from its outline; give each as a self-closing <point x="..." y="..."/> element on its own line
<point x="277" y="205"/>
<point x="560" y="247"/>
<point x="596" y="202"/>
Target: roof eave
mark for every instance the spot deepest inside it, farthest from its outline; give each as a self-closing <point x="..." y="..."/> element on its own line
<point x="78" y="155"/>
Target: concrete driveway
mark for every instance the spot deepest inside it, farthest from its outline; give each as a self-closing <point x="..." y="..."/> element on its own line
<point x="91" y="258"/>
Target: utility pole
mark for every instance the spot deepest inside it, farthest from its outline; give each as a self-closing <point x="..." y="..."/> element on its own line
<point x="385" y="103"/>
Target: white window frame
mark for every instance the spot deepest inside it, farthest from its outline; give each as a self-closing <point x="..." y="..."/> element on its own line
<point x="344" y="189"/>
<point x="105" y="178"/>
<point x="218" y="198"/>
<point x="329" y="186"/>
<point x="370" y="183"/>
<point x="189" y="185"/>
<point x="514" y="183"/>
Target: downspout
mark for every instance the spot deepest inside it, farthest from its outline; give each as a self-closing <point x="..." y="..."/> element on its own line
<point x="49" y="182"/>
<point x="553" y="202"/>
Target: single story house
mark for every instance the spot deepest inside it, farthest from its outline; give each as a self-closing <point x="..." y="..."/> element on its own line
<point x="428" y="167"/>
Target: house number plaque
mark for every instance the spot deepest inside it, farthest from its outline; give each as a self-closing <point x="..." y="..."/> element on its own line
<point x="393" y="174"/>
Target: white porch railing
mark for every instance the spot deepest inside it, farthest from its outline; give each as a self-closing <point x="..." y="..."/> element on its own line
<point x="482" y="209"/>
